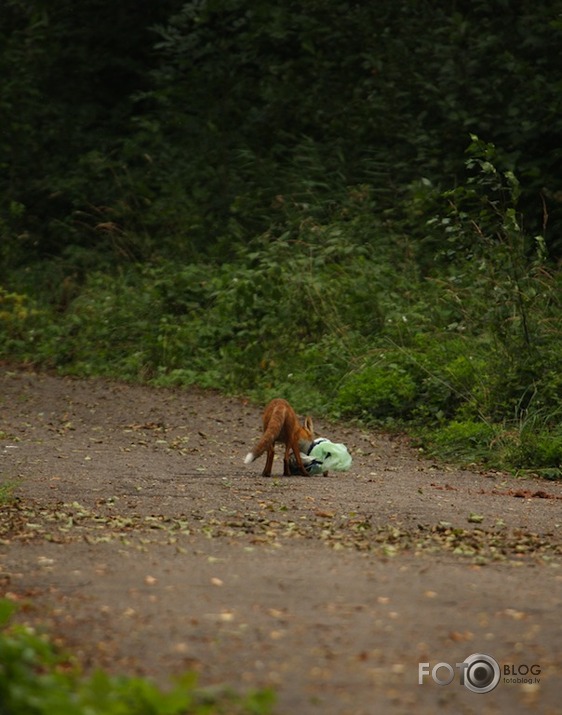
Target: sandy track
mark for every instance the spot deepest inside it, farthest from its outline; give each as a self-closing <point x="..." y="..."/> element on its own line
<point x="142" y="542"/>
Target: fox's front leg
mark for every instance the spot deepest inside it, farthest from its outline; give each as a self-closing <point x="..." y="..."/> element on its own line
<point x="298" y="458"/>
<point x="286" y="467"/>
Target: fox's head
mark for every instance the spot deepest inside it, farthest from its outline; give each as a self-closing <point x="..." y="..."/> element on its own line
<point x="306" y="435"/>
<point x="308" y="426"/>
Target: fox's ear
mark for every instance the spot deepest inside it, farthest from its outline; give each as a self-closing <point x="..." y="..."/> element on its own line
<point x="309" y="425"/>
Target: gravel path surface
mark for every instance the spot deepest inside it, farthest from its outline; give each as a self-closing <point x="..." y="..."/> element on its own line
<point x="141" y="541"/>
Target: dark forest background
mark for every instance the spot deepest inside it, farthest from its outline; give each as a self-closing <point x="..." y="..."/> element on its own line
<point x="357" y="206"/>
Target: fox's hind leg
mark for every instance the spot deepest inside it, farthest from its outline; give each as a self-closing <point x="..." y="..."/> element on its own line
<point x="268" y="462"/>
<point x="286" y="467"/>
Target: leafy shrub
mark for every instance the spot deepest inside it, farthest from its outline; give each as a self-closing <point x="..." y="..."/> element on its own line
<point x="537" y="441"/>
<point x="468" y="441"/>
<point x="17" y="314"/>
<point x="378" y="393"/>
<point x="542" y="449"/>
<point x="36" y="679"/>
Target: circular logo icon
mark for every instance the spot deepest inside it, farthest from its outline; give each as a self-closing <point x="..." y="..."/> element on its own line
<point x="482" y="673"/>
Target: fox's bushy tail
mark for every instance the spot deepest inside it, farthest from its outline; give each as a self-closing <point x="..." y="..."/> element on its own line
<point x="262" y="446"/>
<point x="272" y="432"/>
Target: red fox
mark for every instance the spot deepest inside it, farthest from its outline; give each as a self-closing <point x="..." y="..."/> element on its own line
<point x="281" y="424"/>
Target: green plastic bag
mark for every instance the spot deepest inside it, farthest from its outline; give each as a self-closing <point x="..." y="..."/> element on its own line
<point x="323" y="456"/>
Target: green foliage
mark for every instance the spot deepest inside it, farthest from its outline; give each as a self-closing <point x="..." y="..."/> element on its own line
<point x="17" y="314"/>
<point x="66" y="101"/>
<point x="379" y="391"/>
<point x="541" y="448"/>
<point x="36" y="679"/>
<point x="196" y="118"/>
<point x="466" y="441"/>
<point x="6" y="489"/>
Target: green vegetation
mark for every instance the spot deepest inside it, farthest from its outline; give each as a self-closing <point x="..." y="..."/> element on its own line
<point x="355" y="206"/>
<point x="36" y="679"/>
<point x="7" y="489"/>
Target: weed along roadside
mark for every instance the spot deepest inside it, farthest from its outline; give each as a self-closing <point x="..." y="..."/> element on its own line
<point x="136" y="538"/>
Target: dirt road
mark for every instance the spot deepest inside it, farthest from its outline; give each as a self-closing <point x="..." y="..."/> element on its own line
<point x="142" y="542"/>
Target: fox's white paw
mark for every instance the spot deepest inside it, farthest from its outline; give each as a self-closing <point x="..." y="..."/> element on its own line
<point x="249" y="458"/>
